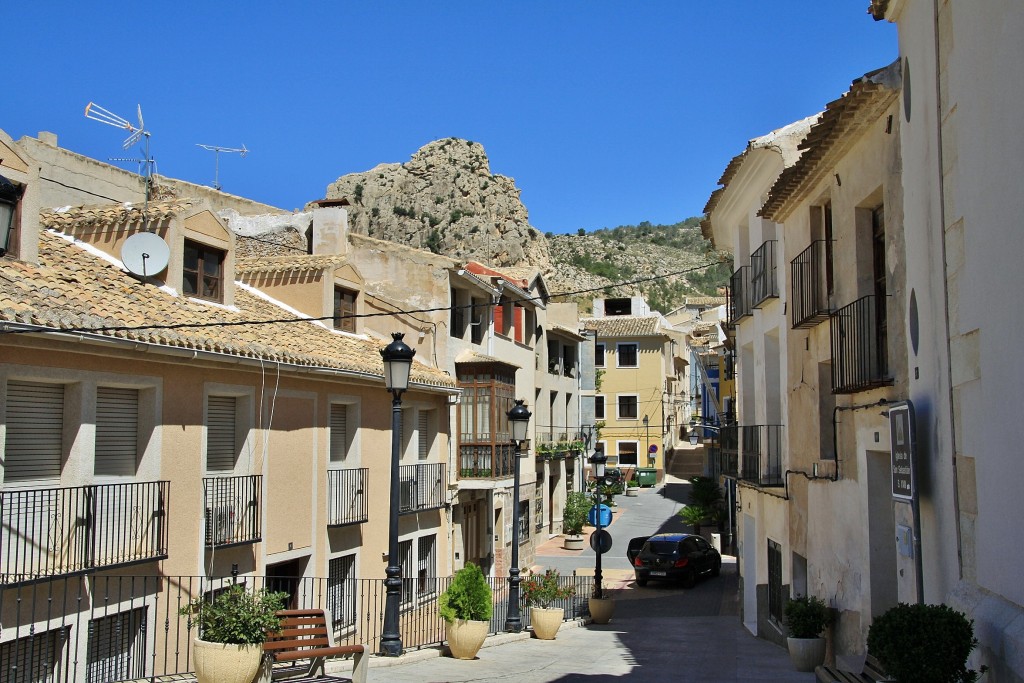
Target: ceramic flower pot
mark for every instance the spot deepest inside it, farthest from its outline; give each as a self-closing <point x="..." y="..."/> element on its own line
<point x="465" y="637"/>
<point x="806" y="653"/>
<point x="224" y="663"/>
<point x="601" y="609"/>
<point x="573" y="542"/>
<point x="546" y="621"/>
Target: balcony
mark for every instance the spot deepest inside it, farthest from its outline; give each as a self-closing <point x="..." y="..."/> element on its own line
<point x="484" y="461"/>
<point x="233" y="510"/>
<point x="764" y="280"/>
<point x="420" y="487"/>
<point x="811" y="277"/>
<point x="62" y="531"/>
<point x="760" y="450"/>
<point x="346" y="496"/>
<point x="859" y="346"/>
<point x="739" y="295"/>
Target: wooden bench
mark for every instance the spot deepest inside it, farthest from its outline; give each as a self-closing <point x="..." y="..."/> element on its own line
<point x="306" y="634"/>
<point x="872" y="673"/>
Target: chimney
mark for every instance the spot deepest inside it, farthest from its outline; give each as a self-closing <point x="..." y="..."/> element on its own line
<point x="48" y="138"/>
<point x="330" y="229"/>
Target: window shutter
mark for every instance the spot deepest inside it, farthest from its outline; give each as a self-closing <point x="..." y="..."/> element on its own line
<point x="220" y="434"/>
<point x="499" y="319"/>
<point x="424" y="434"/>
<point x="518" y="311"/>
<point x="339" y="432"/>
<point x="116" y="648"/>
<point x="117" y="431"/>
<point x="35" y="430"/>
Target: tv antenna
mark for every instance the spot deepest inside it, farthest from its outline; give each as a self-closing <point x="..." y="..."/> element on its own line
<point x="97" y="113"/>
<point x="216" y="159"/>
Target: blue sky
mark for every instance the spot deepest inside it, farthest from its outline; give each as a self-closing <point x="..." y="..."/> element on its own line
<point x="605" y="113"/>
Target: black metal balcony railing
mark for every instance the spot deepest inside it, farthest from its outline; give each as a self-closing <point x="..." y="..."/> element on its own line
<point x="61" y="531"/>
<point x="420" y="487"/>
<point x="234" y="508"/>
<point x="859" y="346"/>
<point x="809" y="273"/>
<point x="131" y="624"/>
<point x="764" y="281"/>
<point x="739" y="295"/>
<point x="761" y="453"/>
<point x="483" y="461"/>
<point x="346" y="496"/>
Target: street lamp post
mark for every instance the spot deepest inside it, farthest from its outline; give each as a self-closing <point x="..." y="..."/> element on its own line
<point x="647" y="438"/>
<point x="519" y="419"/>
<point x="397" y="358"/>
<point x="598" y="460"/>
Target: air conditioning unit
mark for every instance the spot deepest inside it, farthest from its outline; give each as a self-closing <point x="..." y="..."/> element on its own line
<point x="407" y="495"/>
<point x="220" y="524"/>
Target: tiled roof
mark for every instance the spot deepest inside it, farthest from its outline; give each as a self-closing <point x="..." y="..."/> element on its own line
<point x="624" y="326"/>
<point x="285" y="264"/>
<point x="471" y="356"/>
<point x="838" y="128"/>
<point x="107" y="215"/>
<point x="567" y="331"/>
<point x="705" y="301"/>
<point x="74" y="289"/>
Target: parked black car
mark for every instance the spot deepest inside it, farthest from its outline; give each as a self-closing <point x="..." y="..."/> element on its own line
<point x="673" y="557"/>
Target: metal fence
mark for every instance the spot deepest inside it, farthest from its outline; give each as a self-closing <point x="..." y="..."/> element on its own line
<point x="811" y="278"/>
<point x="56" y="531"/>
<point x="119" y="628"/>
<point x="860" y="356"/>
<point x="347" y="496"/>
<point x="420" y="487"/>
<point x="233" y="506"/>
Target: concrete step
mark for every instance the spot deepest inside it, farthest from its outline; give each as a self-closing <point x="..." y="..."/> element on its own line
<point x="687" y="462"/>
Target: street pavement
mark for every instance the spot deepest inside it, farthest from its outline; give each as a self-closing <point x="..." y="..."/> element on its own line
<point x="659" y="632"/>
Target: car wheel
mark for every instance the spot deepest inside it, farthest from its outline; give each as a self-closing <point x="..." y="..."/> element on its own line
<point x="717" y="568"/>
<point x="689" y="579"/>
<point x="641" y="582"/>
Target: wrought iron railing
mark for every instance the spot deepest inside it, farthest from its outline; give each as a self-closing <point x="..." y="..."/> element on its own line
<point x="860" y="358"/>
<point x="420" y="487"/>
<point x="61" y="531"/>
<point x="233" y="510"/>
<point x="761" y="452"/>
<point x="120" y="628"/>
<point x="739" y="295"/>
<point x="346" y="496"/>
<point x="764" y="280"/>
<point x="809" y="275"/>
<point x="484" y="461"/>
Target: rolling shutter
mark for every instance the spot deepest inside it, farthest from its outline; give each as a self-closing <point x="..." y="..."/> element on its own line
<point x="424" y="434"/>
<point x="220" y="434"/>
<point x="33" y="659"/>
<point x="116" y="648"/>
<point x="117" y="431"/>
<point x="339" y="432"/>
<point x="35" y="427"/>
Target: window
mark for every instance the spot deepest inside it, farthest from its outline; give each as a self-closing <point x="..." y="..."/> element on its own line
<point x="538" y="503"/>
<point x="203" y="272"/>
<point x="599" y="355"/>
<point x="341" y="591"/>
<point x="426" y="575"/>
<point x="487" y="396"/>
<point x="221" y="449"/>
<point x="626" y="354"/>
<point x="35" y="426"/>
<point x="458" y="316"/>
<point x="627" y="452"/>
<point x="339" y="433"/>
<point x="627" y="405"/>
<point x="117" y="649"/>
<point x="774" y="582"/>
<point x="417" y="558"/>
<point x="117" y="431"/>
<point x="599" y="407"/>
<point x="35" y="657"/>
<point x="569" y="361"/>
<point x="10" y="197"/>
<point x="881" y="289"/>
<point x="524" y="521"/>
<point x="478" y="320"/>
<point x="345" y="309"/>
<point x="554" y="356"/>
<point x="425" y="434"/>
<point x="618" y="307"/>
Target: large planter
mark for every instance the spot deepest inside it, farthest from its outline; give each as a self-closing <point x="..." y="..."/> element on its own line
<point x="223" y="663"/>
<point x="806" y="653"/>
<point x="546" y="621"/>
<point x="573" y="542"/>
<point x="632" y="492"/>
<point x="465" y="638"/>
<point x="601" y="609"/>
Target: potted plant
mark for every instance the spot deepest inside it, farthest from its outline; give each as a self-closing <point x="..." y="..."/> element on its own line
<point x="806" y="617"/>
<point x="633" y="485"/>
<point x="693" y="515"/>
<point x="574" y="516"/>
<point x="924" y="643"/>
<point x="466" y="609"/>
<point x="539" y="591"/>
<point x="232" y="627"/>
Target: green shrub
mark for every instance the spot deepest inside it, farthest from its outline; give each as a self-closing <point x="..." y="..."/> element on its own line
<point x="924" y="643"/>
<point x="806" y="616"/>
<point x="468" y="596"/>
<point x="693" y="515"/>
<point x="577" y="505"/>
<point x="705" y="493"/>
<point x="543" y="589"/>
<point x="236" y="616"/>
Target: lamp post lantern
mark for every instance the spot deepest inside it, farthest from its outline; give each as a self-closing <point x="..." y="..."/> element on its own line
<point x="397" y="358"/>
<point x="519" y="420"/>
<point x="598" y="460"/>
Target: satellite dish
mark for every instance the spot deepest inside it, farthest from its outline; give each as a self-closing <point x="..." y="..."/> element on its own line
<point x="145" y="254"/>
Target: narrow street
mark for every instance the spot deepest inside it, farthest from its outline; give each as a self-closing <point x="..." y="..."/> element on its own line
<point x="658" y="633"/>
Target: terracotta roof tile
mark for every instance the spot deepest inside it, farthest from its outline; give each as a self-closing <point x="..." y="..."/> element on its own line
<point x="624" y="326"/>
<point x="107" y="215"/>
<point x="283" y="264"/>
<point x="72" y="288"/>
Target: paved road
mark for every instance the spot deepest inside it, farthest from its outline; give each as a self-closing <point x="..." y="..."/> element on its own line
<point x="658" y="634"/>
